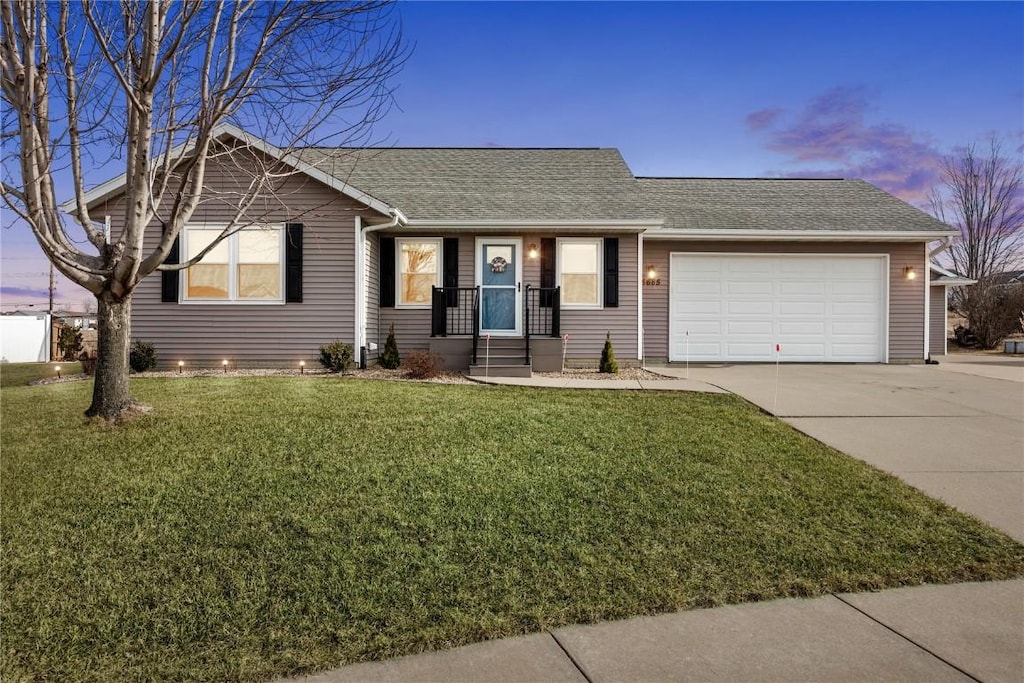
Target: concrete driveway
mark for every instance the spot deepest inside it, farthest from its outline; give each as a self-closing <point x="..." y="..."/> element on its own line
<point x="954" y="430"/>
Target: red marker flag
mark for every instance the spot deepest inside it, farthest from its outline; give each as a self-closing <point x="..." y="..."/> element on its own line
<point x="777" y="349"/>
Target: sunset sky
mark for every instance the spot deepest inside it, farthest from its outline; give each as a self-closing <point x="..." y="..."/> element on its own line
<point x="877" y="91"/>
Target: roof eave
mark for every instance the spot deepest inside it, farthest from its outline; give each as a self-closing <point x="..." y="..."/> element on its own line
<point x="800" y="235"/>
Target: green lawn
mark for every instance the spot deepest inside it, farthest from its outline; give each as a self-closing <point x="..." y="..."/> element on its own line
<point x="20" y="374"/>
<point x="255" y="527"/>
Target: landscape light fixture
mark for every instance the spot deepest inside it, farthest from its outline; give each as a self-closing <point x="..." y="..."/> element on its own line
<point x="908" y="272"/>
<point x="532" y="253"/>
<point x="225" y="364"/>
<point x="651" y="272"/>
<point x="181" y="364"/>
<point x="302" y="367"/>
<point x="58" y="371"/>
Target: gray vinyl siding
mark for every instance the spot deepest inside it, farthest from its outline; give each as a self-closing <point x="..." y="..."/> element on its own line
<point x="204" y="334"/>
<point x="906" y="297"/>
<point x="586" y="329"/>
<point x="372" y="288"/>
<point x="937" y="321"/>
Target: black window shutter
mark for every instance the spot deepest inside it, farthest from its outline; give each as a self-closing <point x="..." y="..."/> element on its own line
<point x="169" y="279"/>
<point x="611" y="272"/>
<point x="293" y="263"/>
<point x="450" y="264"/>
<point x="547" y="269"/>
<point x="386" y="261"/>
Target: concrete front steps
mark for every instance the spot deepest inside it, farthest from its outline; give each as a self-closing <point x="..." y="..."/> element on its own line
<point x="501" y="357"/>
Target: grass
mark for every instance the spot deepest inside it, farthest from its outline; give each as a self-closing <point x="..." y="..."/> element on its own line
<point x="256" y="527"/>
<point x="20" y="374"/>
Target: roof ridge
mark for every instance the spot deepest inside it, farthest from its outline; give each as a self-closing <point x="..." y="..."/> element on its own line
<point x="496" y="149"/>
<point x="668" y="177"/>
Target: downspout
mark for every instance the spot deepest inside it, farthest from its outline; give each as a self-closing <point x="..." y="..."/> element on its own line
<point x="398" y="220"/>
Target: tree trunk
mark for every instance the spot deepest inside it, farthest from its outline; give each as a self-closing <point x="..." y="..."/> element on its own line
<point x="110" y="397"/>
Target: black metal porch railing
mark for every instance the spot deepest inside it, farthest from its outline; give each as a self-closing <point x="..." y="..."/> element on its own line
<point x="455" y="311"/>
<point x="543" y="313"/>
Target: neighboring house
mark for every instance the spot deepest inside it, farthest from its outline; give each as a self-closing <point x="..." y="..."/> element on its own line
<point x="495" y="255"/>
<point x="941" y="281"/>
<point x="82" y="320"/>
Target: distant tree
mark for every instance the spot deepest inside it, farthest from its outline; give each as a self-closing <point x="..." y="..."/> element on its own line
<point x="149" y="83"/>
<point x="982" y="195"/>
<point x="69" y="342"/>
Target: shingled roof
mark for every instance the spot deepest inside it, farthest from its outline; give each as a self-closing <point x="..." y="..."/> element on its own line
<point x="491" y="184"/>
<point x="781" y="204"/>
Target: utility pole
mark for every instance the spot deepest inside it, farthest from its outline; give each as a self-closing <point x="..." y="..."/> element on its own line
<point x="51" y="288"/>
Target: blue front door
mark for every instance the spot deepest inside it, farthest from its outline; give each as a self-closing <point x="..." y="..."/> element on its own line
<point x="498" y="274"/>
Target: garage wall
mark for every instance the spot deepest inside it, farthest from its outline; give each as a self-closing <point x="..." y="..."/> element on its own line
<point x="937" y="321"/>
<point x="906" y="297"/>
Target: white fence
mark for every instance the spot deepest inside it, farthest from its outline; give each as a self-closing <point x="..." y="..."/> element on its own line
<point x="24" y="338"/>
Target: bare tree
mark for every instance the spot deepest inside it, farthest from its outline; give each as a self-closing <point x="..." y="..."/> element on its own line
<point x="151" y="83"/>
<point x="982" y="195"/>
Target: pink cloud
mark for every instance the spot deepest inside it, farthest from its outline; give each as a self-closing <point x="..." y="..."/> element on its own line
<point x="832" y="136"/>
<point x="762" y="118"/>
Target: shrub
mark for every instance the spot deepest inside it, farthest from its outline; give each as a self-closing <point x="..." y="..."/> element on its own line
<point x="336" y="356"/>
<point x="389" y="357"/>
<point x="142" y="356"/>
<point x="993" y="311"/>
<point x="88" y="361"/>
<point x="422" y="365"/>
<point x="608" y="363"/>
<point x="69" y="342"/>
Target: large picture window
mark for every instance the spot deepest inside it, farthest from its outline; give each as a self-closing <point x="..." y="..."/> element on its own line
<point x="579" y="272"/>
<point x="419" y="269"/>
<point x="245" y="267"/>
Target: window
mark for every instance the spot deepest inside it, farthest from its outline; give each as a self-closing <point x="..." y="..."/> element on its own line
<point x="579" y="272"/>
<point x="244" y="267"/>
<point x="419" y="269"/>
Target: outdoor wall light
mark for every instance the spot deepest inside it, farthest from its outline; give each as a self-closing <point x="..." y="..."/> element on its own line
<point x="302" y="367"/>
<point x="58" y="371"/>
<point x="225" y="364"/>
<point x="908" y="272"/>
<point x="532" y="250"/>
<point x="651" y="271"/>
<point x="181" y="364"/>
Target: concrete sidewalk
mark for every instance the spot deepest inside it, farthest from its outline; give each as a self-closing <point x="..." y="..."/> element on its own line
<point x="962" y="632"/>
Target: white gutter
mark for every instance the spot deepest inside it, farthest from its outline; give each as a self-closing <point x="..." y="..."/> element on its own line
<point x="398" y="219"/>
<point x="800" y="235"/>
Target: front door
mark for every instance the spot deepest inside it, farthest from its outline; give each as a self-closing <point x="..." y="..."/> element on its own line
<point x="498" y="273"/>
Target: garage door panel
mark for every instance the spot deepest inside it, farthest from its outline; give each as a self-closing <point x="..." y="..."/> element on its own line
<point x="788" y="328"/>
<point x="800" y="308"/>
<point x="699" y="308"/>
<point x="820" y="308"/>
<point x="761" y="328"/>
<point x="797" y="288"/>
<point x="700" y="287"/>
<point x="742" y="307"/>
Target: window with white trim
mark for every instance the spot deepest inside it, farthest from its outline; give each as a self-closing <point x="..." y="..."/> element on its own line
<point x="248" y="266"/>
<point x="418" y="262"/>
<point x="579" y="272"/>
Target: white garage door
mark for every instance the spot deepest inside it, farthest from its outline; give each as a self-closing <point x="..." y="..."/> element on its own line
<point x="737" y="307"/>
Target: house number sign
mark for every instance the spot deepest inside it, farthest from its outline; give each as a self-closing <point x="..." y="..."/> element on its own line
<point x="651" y="282"/>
